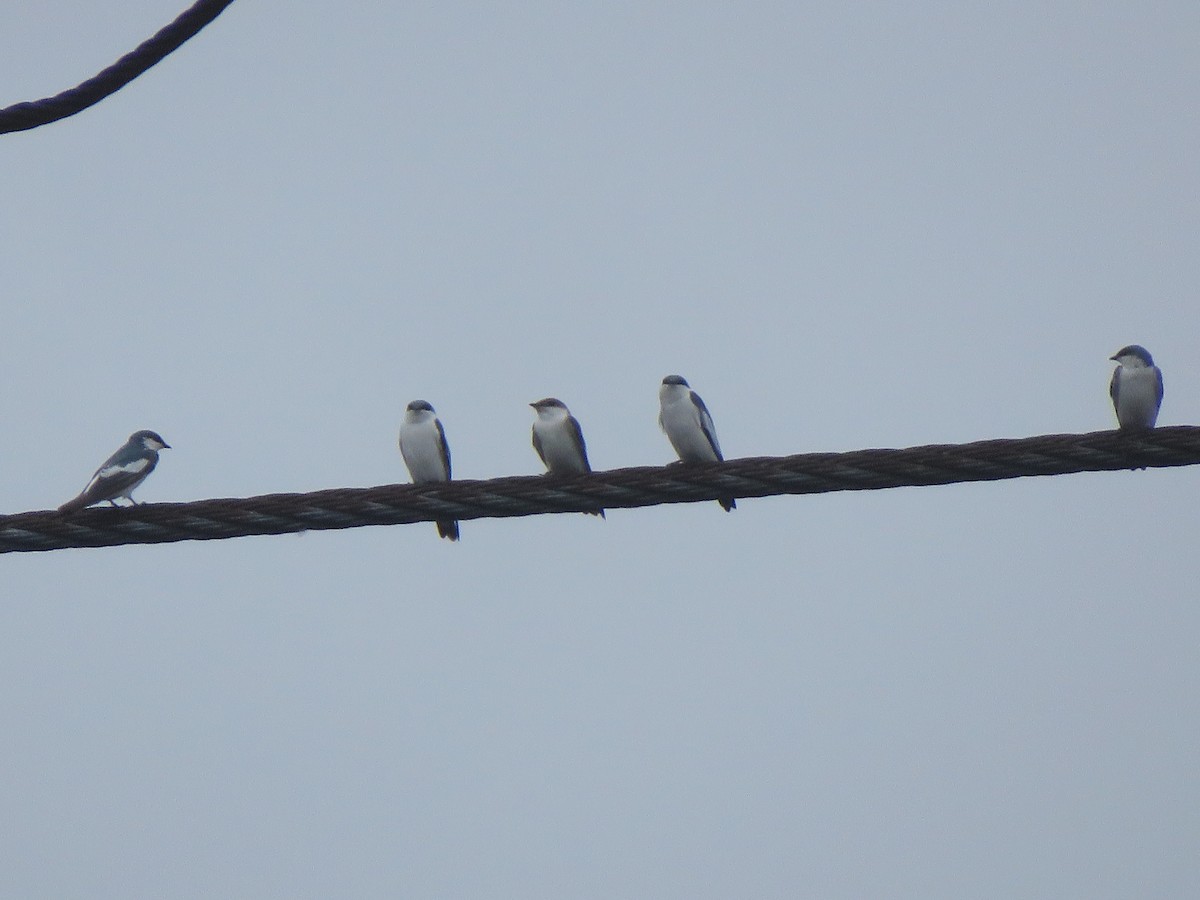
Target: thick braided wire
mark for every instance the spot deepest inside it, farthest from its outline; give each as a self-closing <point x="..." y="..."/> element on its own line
<point x="396" y="504"/>
<point x="23" y="116"/>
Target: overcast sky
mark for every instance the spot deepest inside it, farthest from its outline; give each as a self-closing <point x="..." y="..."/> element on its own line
<point x="848" y="225"/>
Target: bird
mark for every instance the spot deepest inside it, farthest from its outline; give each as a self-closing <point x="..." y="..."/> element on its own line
<point x="688" y="426"/>
<point x="121" y="472"/>
<point x="1136" y="388"/>
<point x="426" y="453"/>
<point x="558" y="440"/>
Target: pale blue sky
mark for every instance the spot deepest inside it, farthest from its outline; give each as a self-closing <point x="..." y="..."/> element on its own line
<point x="848" y="227"/>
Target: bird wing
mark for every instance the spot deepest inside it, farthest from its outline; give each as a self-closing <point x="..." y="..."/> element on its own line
<point x="577" y="435"/>
<point x="443" y="447"/>
<point x="1158" y="393"/>
<point x="1114" y="386"/>
<point x="706" y="424"/>
<point x="114" y="479"/>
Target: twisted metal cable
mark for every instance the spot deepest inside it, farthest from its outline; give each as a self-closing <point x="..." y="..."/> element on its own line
<point x="23" y="116"/>
<point x="396" y="504"/>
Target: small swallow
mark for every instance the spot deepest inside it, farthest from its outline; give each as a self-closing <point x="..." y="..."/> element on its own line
<point x="121" y="472"/>
<point x="688" y="426"/>
<point x="1136" y="388"/>
<point x="426" y="453"/>
<point x="558" y="440"/>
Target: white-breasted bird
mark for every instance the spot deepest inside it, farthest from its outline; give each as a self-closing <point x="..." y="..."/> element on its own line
<point x="426" y="453"/>
<point x="688" y="426"/>
<point x="121" y="472"/>
<point x="1136" y="388"/>
<point x="558" y="440"/>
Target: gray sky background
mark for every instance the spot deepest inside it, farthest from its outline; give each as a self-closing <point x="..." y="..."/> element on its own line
<point x="847" y="225"/>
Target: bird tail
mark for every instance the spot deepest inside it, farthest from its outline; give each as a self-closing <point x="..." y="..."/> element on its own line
<point x="448" y="530"/>
<point x="728" y="504"/>
<point x="75" y="504"/>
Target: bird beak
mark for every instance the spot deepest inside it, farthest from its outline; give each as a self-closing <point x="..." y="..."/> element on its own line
<point x="1113" y="358"/>
<point x="166" y="446"/>
<point x="534" y="405"/>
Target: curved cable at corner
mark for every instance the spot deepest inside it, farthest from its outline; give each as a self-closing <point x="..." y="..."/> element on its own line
<point x="32" y="114"/>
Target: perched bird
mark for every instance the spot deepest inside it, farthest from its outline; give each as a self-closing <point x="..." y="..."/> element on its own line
<point x="689" y="427"/>
<point x="558" y="440"/>
<point x="426" y="453"/>
<point x="121" y="472"/>
<point x="1136" y="388"/>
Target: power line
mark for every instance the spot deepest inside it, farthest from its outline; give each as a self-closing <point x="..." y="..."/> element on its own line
<point x="806" y="473"/>
<point x="23" y="116"/>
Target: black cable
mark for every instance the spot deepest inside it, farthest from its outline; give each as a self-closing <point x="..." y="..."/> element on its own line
<point x="23" y="116"/>
<point x="809" y="473"/>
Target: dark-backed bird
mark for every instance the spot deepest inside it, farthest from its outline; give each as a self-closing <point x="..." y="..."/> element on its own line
<point x="426" y="453"/>
<point x="1136" y="388"/>
<point x="558" y="440"/>
<point x="121" y="472"/>
<point x="688" y="426"/>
